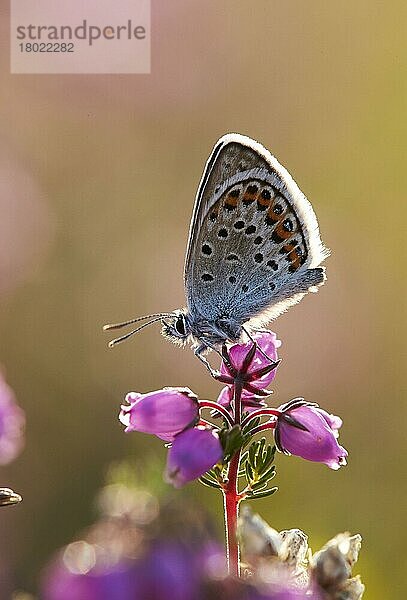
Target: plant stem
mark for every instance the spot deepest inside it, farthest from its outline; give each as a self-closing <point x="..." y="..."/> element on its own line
<point x="264" y="427"/>
<point x="220" y="409"/>
<point x="262" y="412"/>
<point x="231" y="494"/>
<point x="231" y="506"/>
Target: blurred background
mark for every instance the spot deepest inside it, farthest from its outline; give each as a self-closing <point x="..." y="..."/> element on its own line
<point x="97" y="181"/>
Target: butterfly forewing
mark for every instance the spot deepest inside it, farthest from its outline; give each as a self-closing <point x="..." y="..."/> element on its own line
<point x="253" y="238"/>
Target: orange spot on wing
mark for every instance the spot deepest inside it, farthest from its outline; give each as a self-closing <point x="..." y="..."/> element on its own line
<point x="282" y="232"/>
<point x="294" y="259"/>
<point x="248" y="198"/>
<point x="231" y="199"/>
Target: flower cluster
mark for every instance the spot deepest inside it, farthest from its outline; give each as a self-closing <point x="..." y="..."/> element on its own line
<point x="197" y="445"/>
<point x="172" y="414"/>
<point x="149" y="548"/>
<point x="146" y="546"/>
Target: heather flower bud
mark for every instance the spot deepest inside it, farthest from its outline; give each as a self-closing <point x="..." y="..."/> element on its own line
<point x="267" y="344"/>
<point x="164" y="413"/>
<point x="306" y="430"/>
<point x="192" y="453"/>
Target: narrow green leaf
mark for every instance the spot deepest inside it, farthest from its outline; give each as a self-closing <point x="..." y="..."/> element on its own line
<point x="209" y="482"/>
<point x="259" y="485"/>
<point x="253" y="423"/>
<point x="265" y="467"/>
<point x="252" y="453"/>
<point x="244" y="458"/>
<point x="249" y="472"/>
<point x="268" y="475"/>
<point x="268" y="455"/>
<point x="262" y="443"/>
<point x="263" y="494"/>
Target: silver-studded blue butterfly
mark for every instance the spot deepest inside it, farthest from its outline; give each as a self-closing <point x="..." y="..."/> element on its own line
<point x="254" y="249"/>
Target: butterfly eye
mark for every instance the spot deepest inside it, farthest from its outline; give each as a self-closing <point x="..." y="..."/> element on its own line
<point x="180" y="326"/>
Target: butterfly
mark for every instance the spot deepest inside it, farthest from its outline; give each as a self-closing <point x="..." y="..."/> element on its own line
<point x="254" y="250"/>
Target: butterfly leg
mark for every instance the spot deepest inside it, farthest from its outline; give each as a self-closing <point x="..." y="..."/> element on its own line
<point x="198" y="351"/>
<point x="199" y="354"/>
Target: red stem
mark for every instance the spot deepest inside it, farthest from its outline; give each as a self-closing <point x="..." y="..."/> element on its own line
<point x="261" y="412"/>
<point x="237" y="401"/>
<point x="263" y="428"/>
<point x="231" y="495"/>
<point x="218" y="408"/>
<point x="231" y="505"/>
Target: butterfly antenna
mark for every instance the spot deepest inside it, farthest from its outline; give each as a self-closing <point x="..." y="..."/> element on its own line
<point x="127" y="335"/>
<point x="131" y="321"/>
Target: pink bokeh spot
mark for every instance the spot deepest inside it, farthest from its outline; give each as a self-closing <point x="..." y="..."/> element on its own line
<point x="12" y="423"/>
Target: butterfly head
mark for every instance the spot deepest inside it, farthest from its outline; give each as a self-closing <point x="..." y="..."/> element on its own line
<point x="177" y="329"/>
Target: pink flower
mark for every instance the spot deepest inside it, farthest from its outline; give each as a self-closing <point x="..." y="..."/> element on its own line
<point x="305" y="430"/>
<point x="12" y="422"/>
<point x="260" y="369"/>
<point x="164" y="413"/>
<point x="193" y="452"/>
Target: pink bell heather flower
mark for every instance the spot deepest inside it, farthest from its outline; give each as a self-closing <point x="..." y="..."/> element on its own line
<point x="305" y="430"/>
<point x="258" y="371"/>
<point x="334" y="422"/>
<point x="193" y="452"/>
<point x="164" y="413"/>
<point x="12" y="421"/>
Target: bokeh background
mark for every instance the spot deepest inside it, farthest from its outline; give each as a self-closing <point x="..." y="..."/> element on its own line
<point x="97" y="180"/>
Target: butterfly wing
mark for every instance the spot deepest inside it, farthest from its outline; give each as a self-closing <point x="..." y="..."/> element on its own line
<point x="254" y="245"/>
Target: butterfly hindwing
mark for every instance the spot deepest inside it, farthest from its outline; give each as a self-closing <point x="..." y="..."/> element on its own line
<point x="254" y="242"/>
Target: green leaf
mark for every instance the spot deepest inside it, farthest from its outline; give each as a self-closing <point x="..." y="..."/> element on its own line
<point x="249" y="472"/>
<point x="246" y="439"/>
<point x="259" y="485"/>
<point x="252" y="453"/>
<point x="262" y="443"/>
<point x="269" y="474"/>
<point x="232" y="440"/>
<point x="244" y="458"/>
<point x="253" y="423"/>
<point x="263" y="494"/>
<point x="258" y="467"/>
<point x="209" y="482"/>
<point x="211" y="475"/>
<point x="265" y="467"/>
